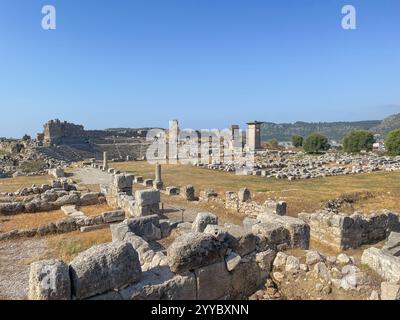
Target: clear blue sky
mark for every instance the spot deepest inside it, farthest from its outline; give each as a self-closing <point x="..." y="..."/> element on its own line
<point x="208" y="63"/>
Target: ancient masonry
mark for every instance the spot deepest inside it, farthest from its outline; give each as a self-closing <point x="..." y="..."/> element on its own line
<point x="205" y="261"/>
<point x="343" y="232"/>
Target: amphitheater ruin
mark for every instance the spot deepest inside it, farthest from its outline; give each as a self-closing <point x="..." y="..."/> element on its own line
<point x="170" y="242"/>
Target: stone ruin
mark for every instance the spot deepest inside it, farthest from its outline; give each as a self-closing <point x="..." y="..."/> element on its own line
<point x="343" y="232"/>
<point x="205" y="261"/>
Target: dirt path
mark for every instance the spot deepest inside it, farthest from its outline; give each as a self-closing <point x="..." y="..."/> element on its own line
<point x="15" y="259"/>
<point x="91" y="176"/>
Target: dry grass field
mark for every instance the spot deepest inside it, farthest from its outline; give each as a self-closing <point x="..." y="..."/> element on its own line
<point x="301" y="195"/>
<point x="13" y="184"/>
<point x="68" y="245"/>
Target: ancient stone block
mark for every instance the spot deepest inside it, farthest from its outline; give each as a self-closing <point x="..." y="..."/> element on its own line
<point x="244" y="195"/>
<point x="298" y="229"/>
<point x="161" y="284"/>
<point x="194" y="250"/>
<point x="89" y="198"/>
<point x="204" y="219"/>
<point x="147" y="197"/>
<point x="103" y="268"/>
<point x="113" y="216"/>
<point x="213" y="281"/>
<point x="49" y="280"/>
<point x="188" y="193"/>
<point x="386" y="265"/>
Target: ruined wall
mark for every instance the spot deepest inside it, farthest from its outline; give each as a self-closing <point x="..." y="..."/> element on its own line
<point x="343" y="232"/>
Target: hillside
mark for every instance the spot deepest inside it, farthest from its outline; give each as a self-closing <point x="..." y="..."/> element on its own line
<point x="333" y="130"/>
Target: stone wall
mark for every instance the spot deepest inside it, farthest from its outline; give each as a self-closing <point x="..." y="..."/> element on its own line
<point x="220" y="262"/>
<point x="343" y="232"/>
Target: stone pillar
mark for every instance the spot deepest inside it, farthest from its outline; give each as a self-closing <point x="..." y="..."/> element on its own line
<point x="158" y="183"/>
<point x="173" y="138"/>
<point x="254" y="136"/>
<point x="105" y="161"/>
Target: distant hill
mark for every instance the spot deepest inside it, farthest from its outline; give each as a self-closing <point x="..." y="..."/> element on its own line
<point x="333" y="130"/>
<point x="388" y="124"/>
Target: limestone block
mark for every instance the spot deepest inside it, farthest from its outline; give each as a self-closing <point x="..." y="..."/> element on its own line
<point x="103" y="268"/>
<point x="204" y="219"/>
<point x="194" y="250"/>
<point x="213" y="281"/>
<point x="49" y="280"/>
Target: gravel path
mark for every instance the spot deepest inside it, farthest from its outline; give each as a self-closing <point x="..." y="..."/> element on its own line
<point x="92" y="176"/>
<point x="15" y="259"/>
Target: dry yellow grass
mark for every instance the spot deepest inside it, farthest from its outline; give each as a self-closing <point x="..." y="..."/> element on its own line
<point x="95" y="210"/>
<point x="301" y="195"/>
<point x="13" y="184"/>
<point x="67" y="246"/>
<point x="29" y="220"/>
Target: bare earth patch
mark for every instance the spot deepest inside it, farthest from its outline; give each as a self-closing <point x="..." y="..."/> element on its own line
<point x="15" y="259"/>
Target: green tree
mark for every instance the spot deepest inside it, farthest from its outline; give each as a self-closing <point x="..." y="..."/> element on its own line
<point x="316" y="143"/>
<point x="358" y="140"/>
<point x="297" y="141"/>
<point x="392" y="143"/>
<point x="26" y="137"/>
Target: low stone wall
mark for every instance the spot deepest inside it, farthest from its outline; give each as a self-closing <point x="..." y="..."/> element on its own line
<point x="51" y="200"/>
<point x="241" y="203"/>
<point x="343" y="232"/>
<point x="75" y="221"/>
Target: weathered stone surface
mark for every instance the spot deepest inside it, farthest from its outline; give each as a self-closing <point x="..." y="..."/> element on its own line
<point x="89" y="198"/>
<point x="321" y="271"/>
<point x="67" y="200"/>
<point x="292" y="264"/>
<point x="146" y="227"/>
<point x="246" y="278"/>
<point x="114" y="216"/>
<point x="187" y="192"/>
<point x="232" y="261"/>
<point x="161" y="284"/>
<point x="280" y="261"/>
<point x="240" y="240"/>
<point x="274" y="233"/>
<point x="313" y="257"/>
<point x="386" y="265"/>
<point x="103" y="268"/>
<point x="93" y="228"/>
<point x="69" y="209"/>
<point x="393" y="244"/>
<point x="49" y="280"/>
<point x="298" y="229"/>
<point x="390" y="291"/>
<point x="204" y="219"/>
<point x="265" y="260"/>
<point x="194" y="250"/>
<point x="147" y="197"/>
<point x="213" y="281"/>
<point x="244" y="195"/>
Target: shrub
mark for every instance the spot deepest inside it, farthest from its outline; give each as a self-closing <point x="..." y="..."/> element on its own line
<point x="297" y="141"/>
<point x="315" y="143"/>
<point x="358" y="140"/>
<point x="392" y="142"/>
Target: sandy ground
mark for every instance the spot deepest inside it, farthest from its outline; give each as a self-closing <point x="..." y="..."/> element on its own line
<point x="15" y="259"/>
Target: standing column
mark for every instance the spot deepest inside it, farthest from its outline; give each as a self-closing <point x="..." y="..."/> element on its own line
<point x="105" y="161"/>
<point x="158" y="183"/>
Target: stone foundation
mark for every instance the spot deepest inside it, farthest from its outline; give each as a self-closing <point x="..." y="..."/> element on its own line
<point x="343" y="232"/>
